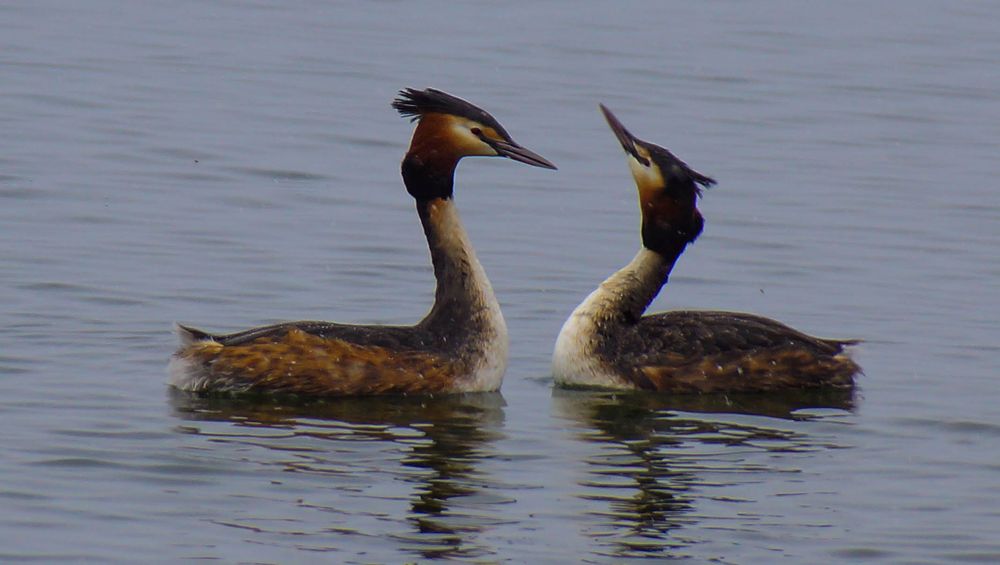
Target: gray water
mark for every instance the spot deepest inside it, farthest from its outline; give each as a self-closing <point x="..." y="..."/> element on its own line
<point x="230" y="164"/>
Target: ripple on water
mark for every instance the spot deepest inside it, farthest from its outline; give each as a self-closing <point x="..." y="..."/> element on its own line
<point x="420" y="454"/>
<point x="660" y="458"/>
<point x="280" y="174"/>
<point x="960" y="427"/>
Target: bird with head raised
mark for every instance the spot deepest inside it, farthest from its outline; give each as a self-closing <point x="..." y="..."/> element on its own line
<point x="608" y="343"/>
<point x="459" y="346"/>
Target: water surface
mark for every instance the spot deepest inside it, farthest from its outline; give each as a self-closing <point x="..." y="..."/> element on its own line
<point x="235" y="164"/>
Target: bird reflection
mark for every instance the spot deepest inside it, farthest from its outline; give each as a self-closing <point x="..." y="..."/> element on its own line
<point x="656" y="450"/>
<point x="443" y="440"/>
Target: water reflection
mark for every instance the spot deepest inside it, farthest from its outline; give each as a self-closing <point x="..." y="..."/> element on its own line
<point x="432" y="444"/>
<point x="658" y="455"/>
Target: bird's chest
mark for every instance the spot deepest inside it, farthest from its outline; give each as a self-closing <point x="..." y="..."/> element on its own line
<point x="577" y="359"/>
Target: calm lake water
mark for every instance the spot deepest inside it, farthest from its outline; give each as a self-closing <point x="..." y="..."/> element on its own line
<point x="230" y="164"/>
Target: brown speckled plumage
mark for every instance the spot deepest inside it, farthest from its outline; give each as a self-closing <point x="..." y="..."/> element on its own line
<point x="296" y="362"/>
<point x="692" y="351"/>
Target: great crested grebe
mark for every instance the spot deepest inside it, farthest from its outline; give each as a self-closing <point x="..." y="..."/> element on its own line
<point x="460" y="346"/>
<point x="608" y="343"/>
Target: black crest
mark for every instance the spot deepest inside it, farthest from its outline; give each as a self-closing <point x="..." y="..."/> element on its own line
<point x="677" y="173"/>
<point x="413" y="103"/>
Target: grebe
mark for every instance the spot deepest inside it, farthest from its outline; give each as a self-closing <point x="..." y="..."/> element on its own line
<point x="608" y="343"/>
<point x="460" y="346"/>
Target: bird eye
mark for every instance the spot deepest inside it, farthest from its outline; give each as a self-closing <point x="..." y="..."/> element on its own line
<point x="477" y="132"/>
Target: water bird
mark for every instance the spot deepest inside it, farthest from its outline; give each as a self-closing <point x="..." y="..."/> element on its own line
<point x="607" y="342"/>
<point x="461" y="344"/>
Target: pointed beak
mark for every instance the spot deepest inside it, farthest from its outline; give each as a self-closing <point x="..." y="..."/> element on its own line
<point x="624" y="137"/>
<point x="514" y="151"/>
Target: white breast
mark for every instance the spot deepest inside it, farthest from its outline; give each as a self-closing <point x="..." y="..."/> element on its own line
<point x="574" y="361"/>
<point x="488" y="374"/>
<point x="490" y="347"/>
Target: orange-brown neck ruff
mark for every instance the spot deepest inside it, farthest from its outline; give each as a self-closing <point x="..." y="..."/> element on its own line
<point x="434" y="142"/>
<point x="437" y="146"/>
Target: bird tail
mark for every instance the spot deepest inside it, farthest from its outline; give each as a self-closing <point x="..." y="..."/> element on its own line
<point x="188" y="335"/>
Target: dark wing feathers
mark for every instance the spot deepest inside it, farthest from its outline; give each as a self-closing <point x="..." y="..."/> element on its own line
<point x="677" y="170"/>
<point x="696" y="351"/>
<point x="399" y="337"/>
<point x="689" y="334"/>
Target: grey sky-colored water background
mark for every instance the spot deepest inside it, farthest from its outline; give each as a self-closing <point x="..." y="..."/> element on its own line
<point x="229" y="164"/>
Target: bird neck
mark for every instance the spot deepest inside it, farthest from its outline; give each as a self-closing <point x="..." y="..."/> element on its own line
<point x="426" y="177"/>
<point x="464" y="302"/>
<point x="626" y="294"/>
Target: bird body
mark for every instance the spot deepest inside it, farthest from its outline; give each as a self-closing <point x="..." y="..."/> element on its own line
<point x="460" y="346"/>
<point x="607" y="342"/>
